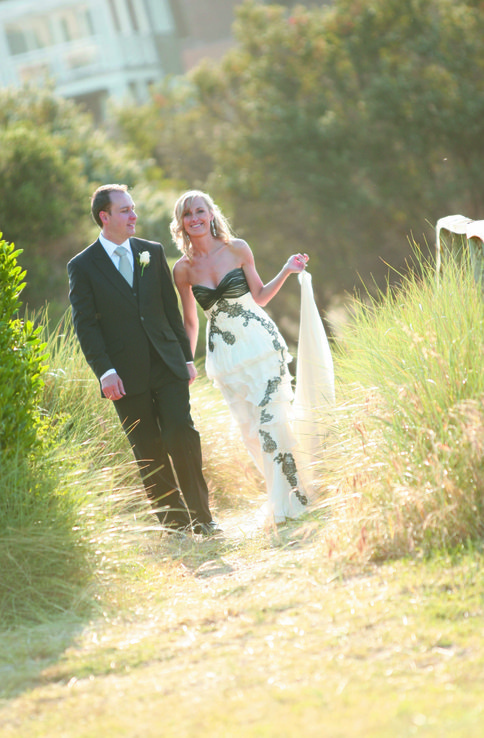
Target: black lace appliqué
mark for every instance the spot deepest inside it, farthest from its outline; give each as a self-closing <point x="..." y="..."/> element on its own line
<point x="269" y="445"/>
<point x="227" y="336"/>
<point x="289" y="470"/>
<point x="272" y="386"/>
<point x="265" y="417"/>
<point x="236" y="310"/>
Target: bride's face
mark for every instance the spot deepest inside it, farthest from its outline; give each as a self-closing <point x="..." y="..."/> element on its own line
<point x="196" y="218"/>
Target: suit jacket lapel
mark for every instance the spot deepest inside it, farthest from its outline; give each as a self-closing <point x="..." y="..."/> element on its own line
<point x="106" y="266"/>
<point x="142" y="281"/>
<point x="136" y="266"/>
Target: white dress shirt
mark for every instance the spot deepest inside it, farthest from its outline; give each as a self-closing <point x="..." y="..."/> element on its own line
<point x="110" y="248"/>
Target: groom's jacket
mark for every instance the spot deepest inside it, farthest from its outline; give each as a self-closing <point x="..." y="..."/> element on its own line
<point x="117" y="324"/>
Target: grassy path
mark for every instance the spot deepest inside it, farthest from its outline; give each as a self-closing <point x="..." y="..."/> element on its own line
<point x="257" y="636"/>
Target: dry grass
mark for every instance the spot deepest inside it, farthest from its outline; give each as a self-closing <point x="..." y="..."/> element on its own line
<point x="257" y="635"/>
<point x="364" y="618"/>
<point x="404" y="465"/>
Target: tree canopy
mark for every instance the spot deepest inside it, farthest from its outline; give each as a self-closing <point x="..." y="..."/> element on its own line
<point x="338" y="130"/>
<point x="52" y="157"/>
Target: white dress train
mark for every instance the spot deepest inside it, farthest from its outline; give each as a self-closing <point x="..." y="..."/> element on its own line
<point x="314" y="391"/>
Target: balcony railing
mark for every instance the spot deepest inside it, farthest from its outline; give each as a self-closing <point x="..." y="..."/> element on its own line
<point x="96" y="55"/>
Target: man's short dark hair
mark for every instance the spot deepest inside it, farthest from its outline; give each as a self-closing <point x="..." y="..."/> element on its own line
<point x="101" y="200"/>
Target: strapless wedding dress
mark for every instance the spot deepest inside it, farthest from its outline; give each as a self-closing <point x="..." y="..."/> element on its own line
<point x="247" y="359"/>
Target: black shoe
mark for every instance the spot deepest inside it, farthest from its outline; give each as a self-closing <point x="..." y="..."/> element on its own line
<point x="208" y="530"/>
<point x="176" y="526"/>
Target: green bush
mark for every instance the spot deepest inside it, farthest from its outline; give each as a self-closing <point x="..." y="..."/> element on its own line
<point x="44" y="559"/>
<point x="36" y="177"/>
<point x="40" y="552"/>
<point x="22" y="365"/>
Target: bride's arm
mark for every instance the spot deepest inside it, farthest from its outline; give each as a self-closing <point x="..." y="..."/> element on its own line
<point x="189" y="305"/>
<point x="263" y="293"/>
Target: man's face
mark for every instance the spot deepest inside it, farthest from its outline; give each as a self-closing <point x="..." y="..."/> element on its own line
<point x="120" y="223"/>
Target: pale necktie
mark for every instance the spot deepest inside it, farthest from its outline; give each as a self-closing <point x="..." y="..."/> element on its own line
<point x="125" y="267"/>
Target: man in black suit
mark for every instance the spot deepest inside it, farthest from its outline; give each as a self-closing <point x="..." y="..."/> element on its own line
<point x="126" y="316"/>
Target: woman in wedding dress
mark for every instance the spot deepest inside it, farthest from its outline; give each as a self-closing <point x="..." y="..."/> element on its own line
<point x="246" y="356"/>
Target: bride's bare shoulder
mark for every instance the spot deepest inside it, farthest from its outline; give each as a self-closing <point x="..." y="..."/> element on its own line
<point x="181" y="268"/>
<point x="239" y="246"/>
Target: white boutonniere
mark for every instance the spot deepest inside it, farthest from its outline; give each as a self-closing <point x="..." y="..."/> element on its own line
<point x="144" y="260"/>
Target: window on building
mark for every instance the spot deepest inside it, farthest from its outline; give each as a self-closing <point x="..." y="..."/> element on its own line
<point x="16" y="39"/>
<point x="33" y="73"/>
<point x="75" y="23"/>
<point x="41" y="33"/>
<point x="132" y="15"/>
<point x="145" y="24"/>
<point x="64" y="28"/>
<point x="115" y="16"/>
<point x="89" y="25"/>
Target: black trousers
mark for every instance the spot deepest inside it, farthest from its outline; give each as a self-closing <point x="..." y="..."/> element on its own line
<point x="159" y="426"/>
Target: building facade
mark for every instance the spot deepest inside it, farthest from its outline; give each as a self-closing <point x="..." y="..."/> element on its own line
<point x="91" y="50"/>
<point x="206" y="28"/>
<point x="94" y="50"/>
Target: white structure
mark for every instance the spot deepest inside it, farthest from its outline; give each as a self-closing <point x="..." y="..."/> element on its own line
<point x="90" y="49"/>
<point x="472" y="231"/>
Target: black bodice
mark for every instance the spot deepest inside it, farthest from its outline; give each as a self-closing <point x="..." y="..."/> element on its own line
<point x="234" y="284"/>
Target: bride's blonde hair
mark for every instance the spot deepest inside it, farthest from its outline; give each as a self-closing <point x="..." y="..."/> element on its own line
<point x="220" y="227"/>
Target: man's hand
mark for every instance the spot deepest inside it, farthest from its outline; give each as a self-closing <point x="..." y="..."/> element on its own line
<point x="112" y="387"/>
<point x="192" y="372"/>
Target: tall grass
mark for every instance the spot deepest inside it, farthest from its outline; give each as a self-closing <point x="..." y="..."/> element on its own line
<point x="59" y="512"/>
<point x="402" y="468"/>
<point x="405" y="470"/>
<point x="73" y="519"/>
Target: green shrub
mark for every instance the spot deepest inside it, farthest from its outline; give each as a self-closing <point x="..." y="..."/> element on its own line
<point x="23" y="356"/>
<point x="70" y="503"/>
<point x="40" y="552"/>
<point x="38" y="179"/>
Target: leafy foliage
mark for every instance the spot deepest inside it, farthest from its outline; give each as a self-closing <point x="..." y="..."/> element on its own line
<point x="39" y="181"/>
<point x="48" y="171"/>
<point x="335" y="130"/>
<point x="22" y="365"/>
<point x="41" y="553"/>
